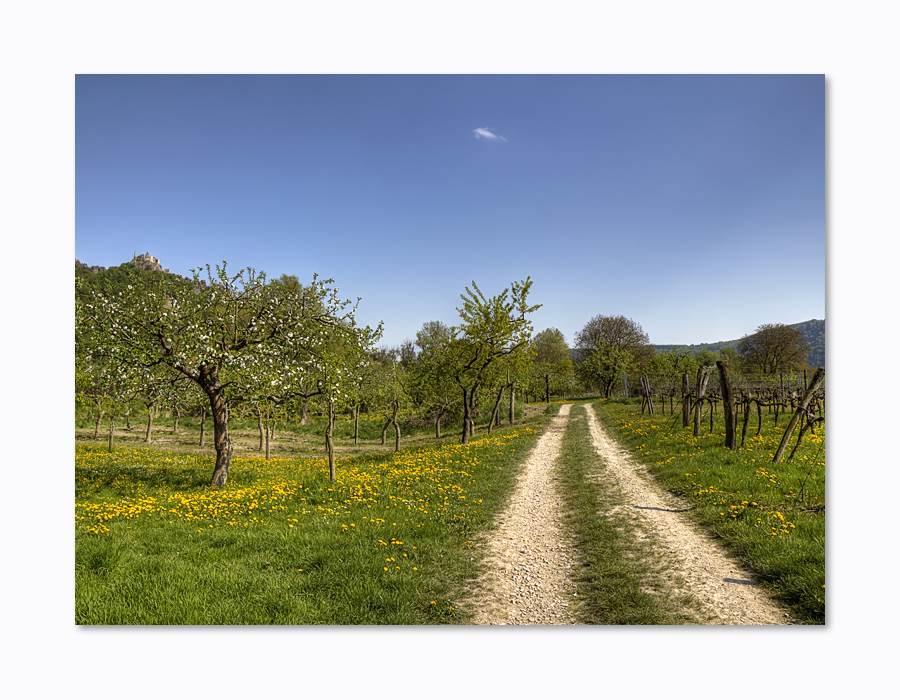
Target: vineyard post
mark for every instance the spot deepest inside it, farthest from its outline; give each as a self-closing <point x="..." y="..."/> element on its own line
<point x="817" y="380"/>
<point x="697" y="402"/>
<point x="645" y="385"/>
<point x="702" y="379"/>
<point x="727" y="405"/>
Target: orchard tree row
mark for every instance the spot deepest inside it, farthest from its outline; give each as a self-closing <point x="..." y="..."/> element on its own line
<point x="243" y="340"/>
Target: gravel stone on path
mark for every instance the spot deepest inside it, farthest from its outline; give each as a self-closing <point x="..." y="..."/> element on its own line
<point x="529" y="558"/>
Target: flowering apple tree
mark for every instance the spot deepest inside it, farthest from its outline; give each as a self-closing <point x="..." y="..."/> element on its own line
<point x="239" y="338"/>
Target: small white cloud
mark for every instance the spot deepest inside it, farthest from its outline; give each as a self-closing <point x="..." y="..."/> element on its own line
<point x="482" y="133"/>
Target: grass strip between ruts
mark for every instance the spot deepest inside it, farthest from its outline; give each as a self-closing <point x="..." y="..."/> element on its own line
<point x="618" y="583"/>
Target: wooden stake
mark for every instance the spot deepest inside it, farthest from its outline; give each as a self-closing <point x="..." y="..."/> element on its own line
<point x="817" y="380"/>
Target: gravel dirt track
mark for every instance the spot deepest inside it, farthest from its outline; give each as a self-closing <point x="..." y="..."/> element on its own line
<point x="530" y="560"/>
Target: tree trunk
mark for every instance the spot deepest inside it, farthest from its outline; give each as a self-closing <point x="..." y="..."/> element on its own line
<point x="222" y="442"/>
<point x="512" y="402"/>
<point x="547" y="386"/>
<point x="97" y="424"/>
<point x="685" y="402"/>
<point x="111" y="434"/>
<point x="329" y="442"/>
<point x="384" y="431"/>
<point x="304" y="413"/>
<point x="396" y="424"/>
<point x="728" y="405"/>
<point x="259" y="426"/>
<point x="221" y="439"/>
<point x="268" y="441"/>
<point x="495" y="414"/>
<point x="814" y="385"/>
<point x="202" y="424"/>
<point x="356" y="424"/>
<point x="467" y="412"/>
<point x="437" y="424"/>
<point x="147" y="437"/>
<point x="177" y="413"/>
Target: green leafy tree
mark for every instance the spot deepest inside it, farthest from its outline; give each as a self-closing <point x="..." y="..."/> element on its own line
<point x="774" y="348"/>
<point x="672" y="364"/>
<point x="604" y="367"/>
<point x="432" y="386"/>
<point x="387" y="390"/>
<point x="552" y="360"/>
<point x="491" y="329"/>
<point x="619" y="332"/>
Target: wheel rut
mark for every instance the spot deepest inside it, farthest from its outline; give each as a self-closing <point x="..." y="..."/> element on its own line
<point x="726" y="593"/>
<point x="527" y="576"/>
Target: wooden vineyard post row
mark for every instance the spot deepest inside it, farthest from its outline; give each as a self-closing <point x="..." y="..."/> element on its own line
<point x="814" y="385"/>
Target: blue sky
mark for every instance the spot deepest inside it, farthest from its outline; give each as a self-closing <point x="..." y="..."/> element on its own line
<point x="693" y="204"/>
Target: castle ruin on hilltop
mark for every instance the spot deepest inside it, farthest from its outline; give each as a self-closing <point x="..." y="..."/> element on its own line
<point x="145" y="261"/>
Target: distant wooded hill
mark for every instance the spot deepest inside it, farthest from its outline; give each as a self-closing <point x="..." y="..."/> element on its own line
<point x="813" y="331"/>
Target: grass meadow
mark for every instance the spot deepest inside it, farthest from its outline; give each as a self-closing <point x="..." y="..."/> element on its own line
<point x="392" y="541"/>
<point x="772" y="516"/>
<point x="389" y="543"/>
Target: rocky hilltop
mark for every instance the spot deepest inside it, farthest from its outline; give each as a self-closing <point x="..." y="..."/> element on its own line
<point x="144" y="261"/>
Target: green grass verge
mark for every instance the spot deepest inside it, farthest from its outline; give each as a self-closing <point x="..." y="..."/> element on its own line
<point x="772" y="516"/>
<point x="389" y="543"/>
<point x="618" y="583"/>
